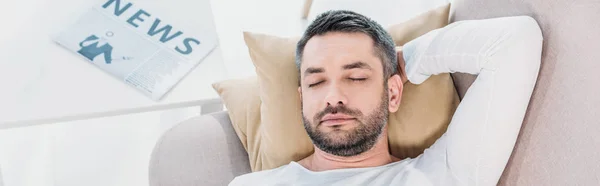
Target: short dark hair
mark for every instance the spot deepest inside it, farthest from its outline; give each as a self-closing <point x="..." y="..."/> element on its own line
<point x="352" y="22"/>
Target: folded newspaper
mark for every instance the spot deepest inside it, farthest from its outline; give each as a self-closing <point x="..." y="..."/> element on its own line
<point x="137" y="46"/>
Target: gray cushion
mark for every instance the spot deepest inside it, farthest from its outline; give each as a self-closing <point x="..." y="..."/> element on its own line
<point x="558" y="143"/>
<point x="201" y="151"/>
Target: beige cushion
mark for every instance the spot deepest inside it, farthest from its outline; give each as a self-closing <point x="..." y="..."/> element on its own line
<point x="558" y="143"/>
<point x="242" y="101"/>
<point x="280" y="138"/>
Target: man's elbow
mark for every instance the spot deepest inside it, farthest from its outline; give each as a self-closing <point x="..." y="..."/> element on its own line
<point x="526" y="47"/>
<point x="527" y="30"/>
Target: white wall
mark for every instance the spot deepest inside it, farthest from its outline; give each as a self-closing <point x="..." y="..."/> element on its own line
<point x="96" y="152"/>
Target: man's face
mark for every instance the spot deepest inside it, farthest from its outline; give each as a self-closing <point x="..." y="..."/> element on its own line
<point x="344" y="95"/>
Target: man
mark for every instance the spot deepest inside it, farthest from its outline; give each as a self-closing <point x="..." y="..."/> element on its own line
<point x="351" y="78"/>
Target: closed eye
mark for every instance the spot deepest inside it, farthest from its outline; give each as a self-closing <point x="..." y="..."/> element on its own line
<point x="315" y="84"/>
<point x="357" y="79"/>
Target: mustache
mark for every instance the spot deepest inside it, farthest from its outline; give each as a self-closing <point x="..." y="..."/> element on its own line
<point x="342" y="109"/>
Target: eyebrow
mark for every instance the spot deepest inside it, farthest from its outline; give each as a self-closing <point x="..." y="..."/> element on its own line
<point x="358" y="64"/>
<point x="313" y="70"/>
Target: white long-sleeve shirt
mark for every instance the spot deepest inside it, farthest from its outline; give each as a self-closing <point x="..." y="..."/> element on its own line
<point x="506" y="55"/>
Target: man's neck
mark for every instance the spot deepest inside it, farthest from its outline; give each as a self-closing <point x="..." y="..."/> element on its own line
<point x="377" y="156"/>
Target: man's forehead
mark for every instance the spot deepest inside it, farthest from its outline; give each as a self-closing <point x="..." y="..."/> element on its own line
<point x="337" y="49"/>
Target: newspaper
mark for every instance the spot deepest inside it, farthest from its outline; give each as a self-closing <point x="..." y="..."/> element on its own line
<point x="133" y="44"/>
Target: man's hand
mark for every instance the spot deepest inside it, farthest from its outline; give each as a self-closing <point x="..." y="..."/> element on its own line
<point x="401" y="65"/>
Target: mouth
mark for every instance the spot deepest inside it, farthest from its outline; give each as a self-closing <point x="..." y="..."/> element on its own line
<point x="333" y="120"/>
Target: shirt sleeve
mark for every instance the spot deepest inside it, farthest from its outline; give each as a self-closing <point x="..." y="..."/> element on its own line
<point x="505" y="53"/>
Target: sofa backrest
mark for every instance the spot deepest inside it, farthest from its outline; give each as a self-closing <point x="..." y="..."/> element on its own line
<point x="557" y="144"/>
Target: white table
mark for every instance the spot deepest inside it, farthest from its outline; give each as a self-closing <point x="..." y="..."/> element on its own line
<point x="43" y="83"/>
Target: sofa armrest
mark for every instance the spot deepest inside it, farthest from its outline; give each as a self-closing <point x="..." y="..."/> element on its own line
<point x="203" y="150"/>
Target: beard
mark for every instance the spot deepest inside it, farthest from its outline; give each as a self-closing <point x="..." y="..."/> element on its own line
<point x="354" y="141"/>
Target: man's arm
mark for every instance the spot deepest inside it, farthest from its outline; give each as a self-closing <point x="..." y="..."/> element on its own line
<point x="506" y="54"/>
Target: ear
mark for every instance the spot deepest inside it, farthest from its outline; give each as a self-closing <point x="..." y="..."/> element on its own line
<point x="300" y="92"/>
<point x="395" y="87"/>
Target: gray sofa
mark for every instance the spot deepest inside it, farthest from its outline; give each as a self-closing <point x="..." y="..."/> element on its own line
<point x="558" y="143"/>
<point x="200" y="151"/>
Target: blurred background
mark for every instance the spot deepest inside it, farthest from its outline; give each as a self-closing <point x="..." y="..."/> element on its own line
<point x="115" y="150"/>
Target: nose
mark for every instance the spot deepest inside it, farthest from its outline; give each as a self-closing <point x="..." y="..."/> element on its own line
<point x="335" y="97"/>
